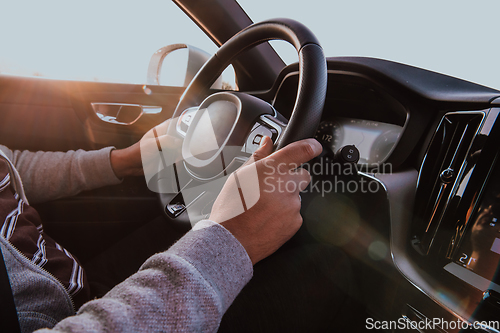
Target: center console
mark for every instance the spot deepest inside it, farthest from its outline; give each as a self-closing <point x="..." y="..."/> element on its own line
<point x="452" y="250"/>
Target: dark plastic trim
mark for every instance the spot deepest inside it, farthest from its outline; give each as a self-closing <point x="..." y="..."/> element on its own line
<point x="429" y="85"/>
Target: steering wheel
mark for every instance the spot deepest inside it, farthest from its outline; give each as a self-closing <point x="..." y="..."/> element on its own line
<point x="218" y="134"/>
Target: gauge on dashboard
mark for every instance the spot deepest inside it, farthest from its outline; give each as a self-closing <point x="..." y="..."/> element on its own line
<point x="330" y="134"/>
<point x="384" y="144"/>
<point x="375" y="140"/>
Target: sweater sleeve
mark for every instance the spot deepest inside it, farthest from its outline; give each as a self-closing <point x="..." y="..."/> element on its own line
<point x="51" y="175"/>
<point x="185" y="289"/>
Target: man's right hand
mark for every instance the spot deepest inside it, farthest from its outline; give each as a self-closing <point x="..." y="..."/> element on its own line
<point x="271" y="213"/>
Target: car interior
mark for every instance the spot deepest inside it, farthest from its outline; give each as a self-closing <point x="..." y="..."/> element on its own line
<point x="416" y="212"/>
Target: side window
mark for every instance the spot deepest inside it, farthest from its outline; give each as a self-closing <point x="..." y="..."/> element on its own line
<point x="94" y="40"/>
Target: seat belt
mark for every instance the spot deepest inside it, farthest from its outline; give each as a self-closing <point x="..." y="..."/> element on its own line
<point x="8" y="312"/>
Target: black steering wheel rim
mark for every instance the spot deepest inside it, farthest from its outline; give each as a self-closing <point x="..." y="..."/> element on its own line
<point x="311" y="91"/>
<point x="308" y="108"/>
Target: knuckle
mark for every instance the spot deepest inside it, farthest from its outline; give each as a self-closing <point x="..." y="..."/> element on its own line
<point x="305" y="172"/>
<point x="306" y="175"/>
<point x="298" y="221"/>
<point x="295" y="205"/>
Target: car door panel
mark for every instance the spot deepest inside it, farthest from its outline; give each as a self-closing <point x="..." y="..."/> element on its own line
<point x="52" y="115"/>
<point x="103" y="133"/>
<point x="37" y="114"/>
<point x="40" y="114"/>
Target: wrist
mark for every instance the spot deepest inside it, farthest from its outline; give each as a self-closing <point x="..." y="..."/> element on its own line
<point x="127" y="162"/>
<point x="116" y="160"/>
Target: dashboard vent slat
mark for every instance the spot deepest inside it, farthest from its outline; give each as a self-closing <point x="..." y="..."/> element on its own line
<point x="443" y="164"/>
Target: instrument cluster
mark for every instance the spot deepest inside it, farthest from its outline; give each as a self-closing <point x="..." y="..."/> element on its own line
<point x="374" y="140"/>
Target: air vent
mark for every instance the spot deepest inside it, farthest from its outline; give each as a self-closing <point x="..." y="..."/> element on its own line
<point x="444" y="162"/>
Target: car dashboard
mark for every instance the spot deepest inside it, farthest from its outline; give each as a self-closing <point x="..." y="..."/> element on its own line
<point x="418" y="217"/>
<point x="425" y="241"/>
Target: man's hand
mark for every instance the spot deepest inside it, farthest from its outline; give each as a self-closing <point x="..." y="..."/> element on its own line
<point x="128" y="161"/>
<point x="273" y="216"/>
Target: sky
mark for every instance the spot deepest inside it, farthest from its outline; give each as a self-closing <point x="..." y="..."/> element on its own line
<point x="458" y="38"/>
<point x="111" y="40"/>
<point x="105" y="40"/>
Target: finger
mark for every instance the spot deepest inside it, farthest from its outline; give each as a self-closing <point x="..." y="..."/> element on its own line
<point x="266" y="148"/>
<point x="296" y="153"/>
<point x="303" y="178"/>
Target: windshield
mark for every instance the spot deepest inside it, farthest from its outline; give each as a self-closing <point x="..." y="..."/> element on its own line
<point x="457" y="38"/>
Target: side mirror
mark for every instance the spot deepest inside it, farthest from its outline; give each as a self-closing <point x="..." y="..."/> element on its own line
<point x="196" y="58"/>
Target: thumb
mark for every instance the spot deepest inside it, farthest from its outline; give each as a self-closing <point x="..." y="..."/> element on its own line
<point x="266" y="148"/>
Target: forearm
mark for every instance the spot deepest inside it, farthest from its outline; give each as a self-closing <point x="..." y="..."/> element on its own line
<point x="51" y="175"/>
<point x="185" y="289"/>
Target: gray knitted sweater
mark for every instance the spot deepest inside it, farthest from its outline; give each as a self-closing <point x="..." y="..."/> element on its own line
<point x="184" y="289"/>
